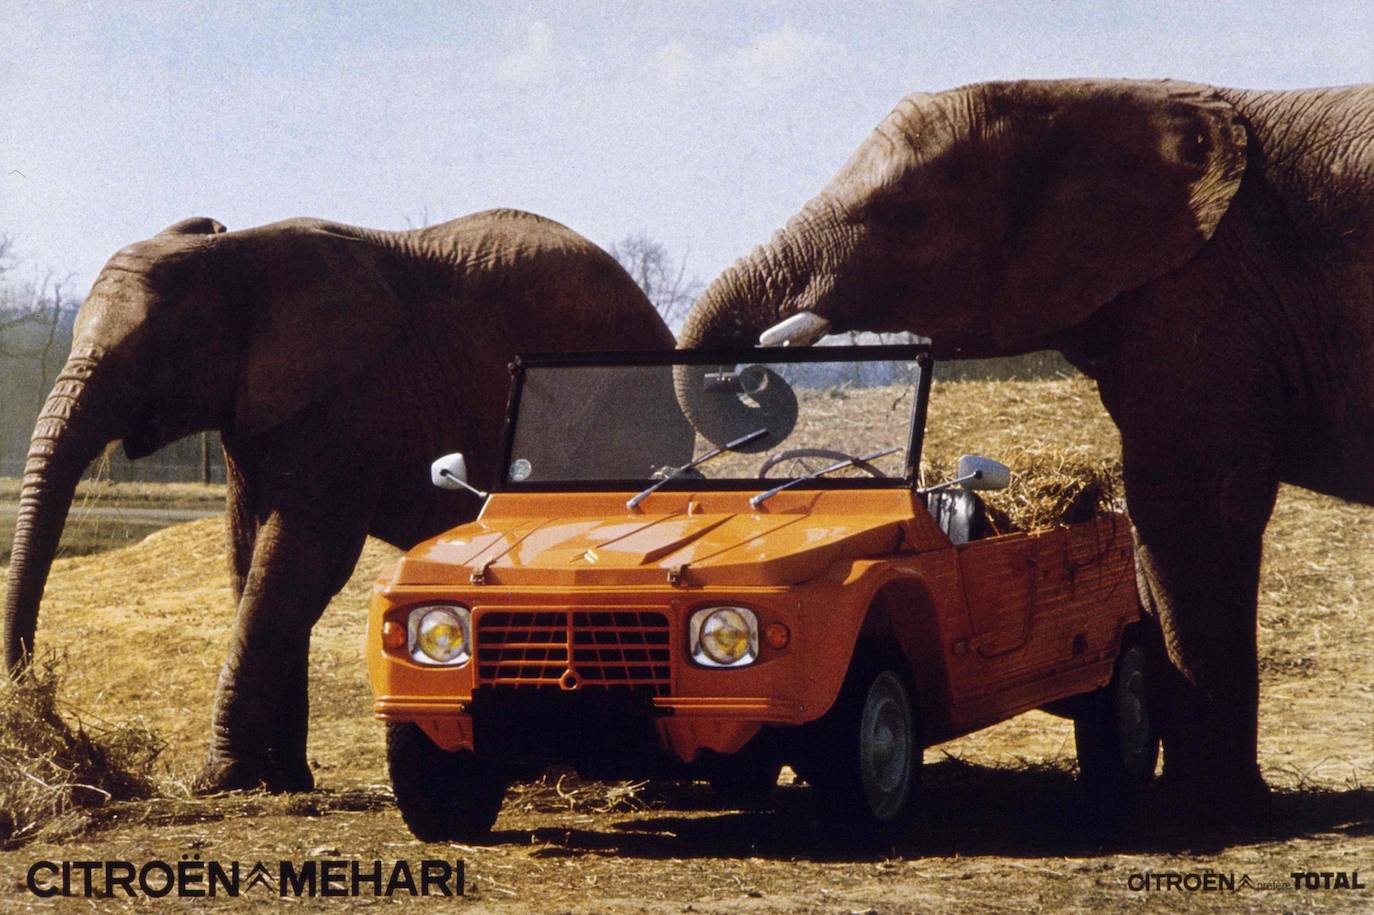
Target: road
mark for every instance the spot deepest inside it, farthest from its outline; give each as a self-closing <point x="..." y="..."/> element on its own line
<point x="130" y="513"/>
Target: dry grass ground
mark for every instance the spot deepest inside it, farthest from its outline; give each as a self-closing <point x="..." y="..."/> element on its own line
<point x="143" y="630"/>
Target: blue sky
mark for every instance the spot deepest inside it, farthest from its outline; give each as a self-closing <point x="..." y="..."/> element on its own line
<point x="705" y="124"/>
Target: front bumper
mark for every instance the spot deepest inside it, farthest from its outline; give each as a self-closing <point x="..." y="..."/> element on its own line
<point x="614" y="665"/>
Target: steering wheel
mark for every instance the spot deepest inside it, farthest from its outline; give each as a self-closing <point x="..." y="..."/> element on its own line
<point x="799" y="457"/>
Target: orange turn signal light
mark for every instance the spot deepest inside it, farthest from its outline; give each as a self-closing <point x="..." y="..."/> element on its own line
<point x="393" y="634"/>
<point x="776" y="635"/>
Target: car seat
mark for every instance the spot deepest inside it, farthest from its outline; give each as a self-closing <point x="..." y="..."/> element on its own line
<point x="959" y="512"/>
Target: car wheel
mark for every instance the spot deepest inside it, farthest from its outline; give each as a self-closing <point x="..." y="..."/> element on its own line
<point x="1117" y="744"/>
<point x="867" y="767"/>
<point x="442" y="795"/>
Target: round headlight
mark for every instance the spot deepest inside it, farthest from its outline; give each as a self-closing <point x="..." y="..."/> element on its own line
<point x="440" y="635"/>
<point x="725" y="636"/>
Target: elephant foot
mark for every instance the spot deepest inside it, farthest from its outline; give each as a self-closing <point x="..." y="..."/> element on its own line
<point x="1213" y="803"/>
<point x="221" y="774"/>
<point x="289" y="777"/>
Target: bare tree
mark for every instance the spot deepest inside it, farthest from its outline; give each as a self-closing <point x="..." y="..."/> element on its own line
<point x="48" y="306"/>
<point x="663" y="281"/>
<point x="35" y="334"/>
<point x="33" y="320"/>
<point x="421" y="218"/>
<point x="12" y="313"/>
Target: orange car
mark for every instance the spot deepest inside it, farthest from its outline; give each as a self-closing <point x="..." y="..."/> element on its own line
<point x="790" y="595"/>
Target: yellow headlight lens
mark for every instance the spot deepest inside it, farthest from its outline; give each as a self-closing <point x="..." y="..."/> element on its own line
<point x="439" y="635"/>
<point x="727" y="637"/>
<point x="441" y="641"/>
<point x="724" y="637"/>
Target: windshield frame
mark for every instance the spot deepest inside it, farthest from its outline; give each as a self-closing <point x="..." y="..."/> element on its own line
<point x="917" y="353"/>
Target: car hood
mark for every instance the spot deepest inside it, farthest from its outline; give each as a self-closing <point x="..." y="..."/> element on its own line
<point x="701" y="540"/>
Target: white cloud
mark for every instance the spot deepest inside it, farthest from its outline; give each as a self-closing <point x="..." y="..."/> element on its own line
<point x="766" y="61"/>
<point x="778" y="53"/>
<point x="534" y="61"/>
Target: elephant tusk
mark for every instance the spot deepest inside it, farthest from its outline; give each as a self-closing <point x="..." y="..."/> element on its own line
<point x="802" y="329"/>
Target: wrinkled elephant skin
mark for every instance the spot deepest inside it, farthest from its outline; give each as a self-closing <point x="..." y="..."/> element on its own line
<point x="1207" y="255"/>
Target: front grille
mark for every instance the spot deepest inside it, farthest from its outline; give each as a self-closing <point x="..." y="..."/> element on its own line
<point x="591" y="648"/>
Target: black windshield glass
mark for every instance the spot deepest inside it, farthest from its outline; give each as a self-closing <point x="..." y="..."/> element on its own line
<point x="600" y="423"/>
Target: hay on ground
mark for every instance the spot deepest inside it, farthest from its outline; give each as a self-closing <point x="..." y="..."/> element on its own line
<point x="48" y="766"/>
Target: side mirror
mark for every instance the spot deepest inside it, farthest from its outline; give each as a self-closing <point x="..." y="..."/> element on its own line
<point x="977" y="472"/>
<point x="752" y="379"/>
<point x="451" y="472"/>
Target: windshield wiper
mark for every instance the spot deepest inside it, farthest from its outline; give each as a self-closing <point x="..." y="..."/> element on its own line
<point x="740" y="442"/>
<point x="762" y="497"/>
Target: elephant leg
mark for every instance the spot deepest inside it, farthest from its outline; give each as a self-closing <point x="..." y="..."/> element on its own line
<point x="241" y="528"/>
<point x="300" y="560"/>
<point x="1198" y="550"/>
<point x="288" y="768"/>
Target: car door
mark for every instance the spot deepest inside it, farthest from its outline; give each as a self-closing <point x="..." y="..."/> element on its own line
<point x="999" y="579"/>
<point x="1011" y="587"/>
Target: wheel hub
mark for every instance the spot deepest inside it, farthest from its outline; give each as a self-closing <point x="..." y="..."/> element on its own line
<point x="1133" y="718"/>
<point x="885" y="746"/>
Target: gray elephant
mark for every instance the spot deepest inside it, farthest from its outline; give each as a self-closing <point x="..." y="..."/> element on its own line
<point x="337" y="363"/>
<point x="1207" y="255"/>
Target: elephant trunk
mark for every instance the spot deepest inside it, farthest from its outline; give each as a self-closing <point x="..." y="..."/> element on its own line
<point x="67" y="436"/>
<point x="766" y="298"/>
<point x="774" y="281"/>
<point x="732" y="311"/>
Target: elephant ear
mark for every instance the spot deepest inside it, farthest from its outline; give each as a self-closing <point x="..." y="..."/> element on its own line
<point x="1113" y="185"/>
<point x="323" y="313"/>
<point x="195" y="225"/>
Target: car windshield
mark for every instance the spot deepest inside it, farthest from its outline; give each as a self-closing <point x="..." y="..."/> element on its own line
<point x="628" y="421"/>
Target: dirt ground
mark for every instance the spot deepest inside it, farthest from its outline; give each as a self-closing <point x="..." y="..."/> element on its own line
<point x="144" y="629"/>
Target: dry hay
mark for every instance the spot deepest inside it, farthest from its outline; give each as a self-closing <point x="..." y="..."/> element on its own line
<point x="1061" y="447"/>
<point x="563" y="791"/>
<point x="1049" y="487"/>
<point x="147" y="627"/>
<point x="144" y="628"/>
<point x="995" y="418"/>
<point x="50" y="766"/>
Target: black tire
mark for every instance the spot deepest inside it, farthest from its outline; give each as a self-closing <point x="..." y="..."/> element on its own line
<point x="1118" y="745"/>
<point x="443" y="796"/>
<point x="865" y="768"/>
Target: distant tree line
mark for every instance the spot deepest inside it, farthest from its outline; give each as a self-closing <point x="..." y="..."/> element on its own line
<point x="36" y="318"/>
